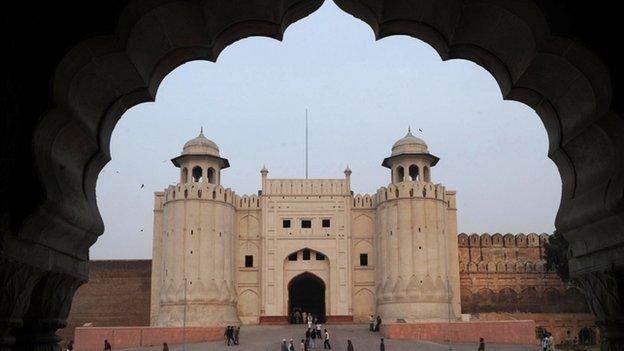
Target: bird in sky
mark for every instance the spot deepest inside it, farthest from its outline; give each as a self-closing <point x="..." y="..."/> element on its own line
<point x="142" y="185"/>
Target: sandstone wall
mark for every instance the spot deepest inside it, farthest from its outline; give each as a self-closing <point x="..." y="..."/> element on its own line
<point x="503" y="277"/>
<point x="117" y="294"/>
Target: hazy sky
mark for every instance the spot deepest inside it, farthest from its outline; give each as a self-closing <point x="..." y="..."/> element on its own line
<point x="361" y="95"/>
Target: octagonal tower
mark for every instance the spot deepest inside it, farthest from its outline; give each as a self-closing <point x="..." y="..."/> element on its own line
<point x="418" y="275"/>
<point x="193" y="267"/>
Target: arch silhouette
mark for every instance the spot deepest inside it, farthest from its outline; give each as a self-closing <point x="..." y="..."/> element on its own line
<point x="99" y="79"/>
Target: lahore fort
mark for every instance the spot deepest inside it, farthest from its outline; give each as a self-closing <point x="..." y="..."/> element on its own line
<point x="312" y="245"/>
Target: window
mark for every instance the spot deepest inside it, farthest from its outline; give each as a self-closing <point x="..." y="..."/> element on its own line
<point x="306" y="223"/>
<point x="197" y="174"/>
<point x="306" y="255"/>
<point x="320" y="256"/>
<point x="210" y="173"/>
<point x="292" y="256"/>
<point x="286" y="223"/>
<point x="326" y="223"/>
<point x="363" y="260"/>
<point x="248" y="261"/>
<point x="414" y="173"/>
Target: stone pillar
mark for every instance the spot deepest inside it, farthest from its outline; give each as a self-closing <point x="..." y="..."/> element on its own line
<point x="17" y="281"/>
<point x="604" y="292"/>
<point x="49" y="306"/>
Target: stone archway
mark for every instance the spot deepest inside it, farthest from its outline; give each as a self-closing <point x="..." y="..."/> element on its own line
<point x="306" y="293"/>
<point x="60" y="141"/>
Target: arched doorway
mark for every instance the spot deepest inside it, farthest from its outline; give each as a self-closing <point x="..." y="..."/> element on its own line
<point x="306" y="293"/>
<point x="587" y="336"/>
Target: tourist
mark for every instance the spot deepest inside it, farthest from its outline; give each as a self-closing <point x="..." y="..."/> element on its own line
<point x="70" y="345"/>
<point x="378" y="324"/>
<point x="326" y="344"/>
<point x="304" y="346"/>
<point x="107" y="345"/>
<point x="371" y="323"/>
<point x="228" y="335"/>
<point x="313" y="337"/>
<point x="382" y="346"/>
<point x="165" y="346"/>
<point x="304" y="315"/>
<point x="309" y="321"/>
<point x="318" y="331"/>
<point x="545" y="342"/>
<point x="481" y="345"/>
<point x="307" y="337"/>
<point x="551" y="342"/>
<point x="349" y="346"/>
<point x="284" y="345"/>
<point x="236" y="334"/>
<point x="291" y="345"/>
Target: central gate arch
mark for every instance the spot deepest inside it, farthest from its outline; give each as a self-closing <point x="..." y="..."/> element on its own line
<point x="306" y="293"/>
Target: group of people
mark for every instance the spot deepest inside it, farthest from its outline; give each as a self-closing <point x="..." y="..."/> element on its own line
<point x="231" y="335"/>
<point x="299" y="317"/>
<point x="374" y="323"/>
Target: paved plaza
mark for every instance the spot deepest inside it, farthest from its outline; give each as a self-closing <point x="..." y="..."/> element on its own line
<point x="261" y="338"/>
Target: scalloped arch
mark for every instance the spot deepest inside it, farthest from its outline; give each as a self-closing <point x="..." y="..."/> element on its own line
<point x="565" y="83"/>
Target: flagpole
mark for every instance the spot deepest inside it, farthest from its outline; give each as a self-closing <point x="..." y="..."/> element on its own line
<point x="306" y="143"/>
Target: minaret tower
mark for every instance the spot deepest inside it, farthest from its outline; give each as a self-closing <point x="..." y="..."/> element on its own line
<point x="418" y="275"/>
<point x="196" y="242"/>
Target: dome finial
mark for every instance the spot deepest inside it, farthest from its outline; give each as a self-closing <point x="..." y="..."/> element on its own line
<point x="409" y="131"/>
<point x="201" y="130"/>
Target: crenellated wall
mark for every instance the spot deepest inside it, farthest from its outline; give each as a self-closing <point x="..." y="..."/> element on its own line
<point x="503" y="276"/>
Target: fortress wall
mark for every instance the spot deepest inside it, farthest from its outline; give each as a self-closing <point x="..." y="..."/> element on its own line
<point x="504" y="277"/>
<point x="117" y="294"/>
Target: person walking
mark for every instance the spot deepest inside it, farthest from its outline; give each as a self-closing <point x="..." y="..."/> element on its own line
<point x="481" y="345"/>
<point x="307" y="338"/>
<point x="291" y="346"/>
<point x="349" y="346"/>
<point x="304" y="346"/>
<point x="382" y="346"/>
<point x="378" y="323"/>
<point x="313" y="337"/>
<point x="326" y="344"/>
<point x="165" y="346"/>
<point x="371" y="323"/>
<point x="107" y="345"/>
<point x="228" y="335"/>
<point x="236" y="334"/>
<point x="284" y="345"/>
<point x="70" y="345"/>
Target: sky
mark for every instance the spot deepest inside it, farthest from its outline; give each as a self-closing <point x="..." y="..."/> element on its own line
<point x="361" y="95"/>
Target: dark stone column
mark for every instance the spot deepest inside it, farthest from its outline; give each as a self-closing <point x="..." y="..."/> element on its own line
<point x="605" y="296"/>
<point x="49" y="306"/>
<point x="17" y="281"/>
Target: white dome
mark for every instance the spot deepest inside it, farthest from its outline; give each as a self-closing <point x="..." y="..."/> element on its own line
<point x="200" y="146"/>
<point x="409" y="144"/>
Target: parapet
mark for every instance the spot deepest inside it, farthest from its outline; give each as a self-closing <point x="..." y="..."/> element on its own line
<point x="310" y="187"/>
<point x="363" y="201"/>
<point x="200" y="191"/>
<point x="412" y="189"/>
<point x="247" y="202"/>
<point x="500" y="240"/>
